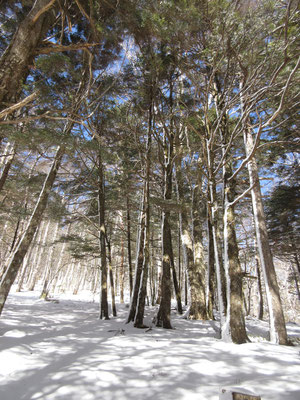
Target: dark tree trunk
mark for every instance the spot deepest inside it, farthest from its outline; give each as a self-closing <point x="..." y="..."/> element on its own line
<point x="104" y="314"/>
<point x="211" y="270"/>
<point x="164" y="313"/>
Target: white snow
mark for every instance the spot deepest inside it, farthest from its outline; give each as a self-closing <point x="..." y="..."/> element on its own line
<point x="63" y="351"/>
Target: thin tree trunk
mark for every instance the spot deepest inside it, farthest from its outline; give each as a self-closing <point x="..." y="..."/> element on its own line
<point x="259" y="287"/>
<point x="111" y="279"/>
<point x="221" y="285"/>
<point x="138" y="263"/>
<point x="129" y="245"/>
<point x="211" y="270"/>
<point x="17" y="257"/>
<point x="8" y="163"/>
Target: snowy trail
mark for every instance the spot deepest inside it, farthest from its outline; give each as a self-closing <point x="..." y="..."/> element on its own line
<point x="62" y="351"/>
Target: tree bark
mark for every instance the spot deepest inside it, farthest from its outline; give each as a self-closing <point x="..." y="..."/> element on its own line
<point x="16" y="259"/>
<point x="16" y="61"/>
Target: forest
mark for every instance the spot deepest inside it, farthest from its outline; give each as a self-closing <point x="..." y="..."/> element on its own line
<point x="150" y="155"/>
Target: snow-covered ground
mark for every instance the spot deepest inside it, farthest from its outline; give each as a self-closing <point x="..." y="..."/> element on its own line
<point x="62" y="350"/>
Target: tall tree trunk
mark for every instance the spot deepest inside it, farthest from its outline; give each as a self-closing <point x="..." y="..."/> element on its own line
<point x="102" y="237"/>
<point x="18" y="57"/>
<point x="278" y="332"/>
<point x="16" y="259"/>
<point x="139" y="316"/>
<point x="164" y="313"/>
<point x="234" y="328"/>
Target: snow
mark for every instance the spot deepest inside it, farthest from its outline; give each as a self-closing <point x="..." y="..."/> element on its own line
<point x="62" y="350"/>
